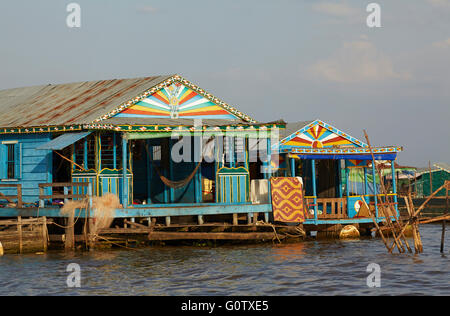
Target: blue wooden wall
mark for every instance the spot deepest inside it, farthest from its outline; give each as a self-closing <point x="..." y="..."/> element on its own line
<point x="36" y="165"/>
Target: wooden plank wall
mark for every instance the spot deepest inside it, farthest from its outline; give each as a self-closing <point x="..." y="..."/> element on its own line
<point x="36" y="165"/>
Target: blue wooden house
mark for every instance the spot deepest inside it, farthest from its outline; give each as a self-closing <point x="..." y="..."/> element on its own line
<point x="119" y="136"/>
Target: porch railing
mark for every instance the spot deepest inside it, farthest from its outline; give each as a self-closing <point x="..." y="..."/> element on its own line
<point x="17" y="197"/>
<point x="67" y="191"/>
<point x="329" y="208"/>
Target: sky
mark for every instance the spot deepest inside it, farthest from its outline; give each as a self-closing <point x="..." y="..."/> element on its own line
<point x="295" y="60"/>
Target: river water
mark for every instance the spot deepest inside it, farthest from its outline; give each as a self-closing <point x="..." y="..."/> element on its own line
<point x="307" y="268"/>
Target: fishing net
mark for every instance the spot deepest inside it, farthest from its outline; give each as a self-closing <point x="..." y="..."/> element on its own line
<point x="102" y="212"/>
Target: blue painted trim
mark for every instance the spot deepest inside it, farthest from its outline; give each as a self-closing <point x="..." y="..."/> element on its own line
<point x="85" y="154"/>
<point x="394" y="187"/>
<point x="292" y="167"/>
<point x="114" y="151"/>
<point x="124" y="172"/>
<point x="375" y="188"/>
<point x="346" y="156"/>
<point x="313" y="177"/>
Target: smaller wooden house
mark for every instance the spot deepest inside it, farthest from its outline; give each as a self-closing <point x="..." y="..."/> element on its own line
<point x="426" y="181"/>
<point x="327" y="158"/>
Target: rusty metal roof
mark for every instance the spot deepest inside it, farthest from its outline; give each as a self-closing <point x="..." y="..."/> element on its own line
<point x="69" y="104"/>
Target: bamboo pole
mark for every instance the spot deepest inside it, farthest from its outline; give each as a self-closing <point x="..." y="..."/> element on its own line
<point x="415" y="237"/>
<point x="377" y="226"/>
<point x="423" y="205"/>
<point x="416" y="224"/>
<point x="431" y="177"/>
<point x="387" y="216"/>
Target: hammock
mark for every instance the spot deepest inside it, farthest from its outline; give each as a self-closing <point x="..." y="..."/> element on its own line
<point x="180" y="183"/>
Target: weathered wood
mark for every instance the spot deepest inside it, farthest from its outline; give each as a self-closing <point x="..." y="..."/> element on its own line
<point x="70" y="232"/>
<point x="19" y="230"/>
<point x="417" y="212"/>
<point x="387" y="216"/>
<point x="235" y="219"/>
<point x="10" y="198"/>
<point x="161" y="236"/>
<point x="44" y="233"/>
<point x="436" y="219"/>
<point x="64" y="184"/>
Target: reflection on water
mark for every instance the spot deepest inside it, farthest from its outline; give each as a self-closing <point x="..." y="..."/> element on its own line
<point x="308" y="268"/>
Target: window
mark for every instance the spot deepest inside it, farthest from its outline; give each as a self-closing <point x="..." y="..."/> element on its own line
<point x="10" y="160"/>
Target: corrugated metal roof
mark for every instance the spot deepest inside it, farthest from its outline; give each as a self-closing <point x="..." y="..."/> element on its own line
<point x="443" y="166"/>
<point x="69" y="104"/>
<point x="292" y="128"/>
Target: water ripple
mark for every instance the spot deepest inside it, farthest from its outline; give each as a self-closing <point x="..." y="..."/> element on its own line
<point x="308" y="268"/>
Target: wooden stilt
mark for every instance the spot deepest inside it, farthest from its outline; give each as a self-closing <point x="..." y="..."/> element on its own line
<point x="70" y="232"/>
<point x="235" y="219"/>
<point x="255" y="218"/>
<point x="443" y="222"/>
<point x="19" y="230"/>
<point x="44" y="233"/>
<point x="377" y="226"/>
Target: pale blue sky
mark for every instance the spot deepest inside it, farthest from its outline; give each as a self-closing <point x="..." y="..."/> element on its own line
<point x="290" y="59"/>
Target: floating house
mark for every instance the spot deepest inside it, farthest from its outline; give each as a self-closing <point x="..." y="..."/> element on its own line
<point x="427" y="181"/>
<point x="326" y="157"/>
<point x="118" y="136"/>
<point x="170" y="151"/>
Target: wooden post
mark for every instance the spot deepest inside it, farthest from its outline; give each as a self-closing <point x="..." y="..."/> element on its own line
<point x="167" y="220"/>
<point x="44" y="233"/>
<point x="255" y="218"/>
<point x="19" y="230"/>
<point x="313" y="177"/>
<point x="124" y="172"/>
<point x="235" y="219"/>
<point x="70" y="232"/>
<point x="394" y="187"/>
<point x="443" y="222"/>
<point x="416" y="225"/>
<point x="408" y="207"/>
<point x="431" y="177"/>
<point x="19" y="196"/>
<point x="366" y="184"/>
<point x="200" y="219"/>
<point x="292" y="167"/>
<point x="149" y="170"/>
<point x="41" y="201"/>
<point x="375" y="187"/>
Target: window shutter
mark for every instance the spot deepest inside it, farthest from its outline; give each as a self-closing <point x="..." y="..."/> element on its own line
<point x="18" y="160"/>
<point x="3" y="158"/>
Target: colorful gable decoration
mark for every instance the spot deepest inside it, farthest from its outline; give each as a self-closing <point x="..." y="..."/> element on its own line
<point x="321" y="135"/>
<point x="176" y="101"/>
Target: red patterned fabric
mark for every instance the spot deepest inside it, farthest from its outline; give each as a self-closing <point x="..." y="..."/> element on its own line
<point x="287" y="200"/>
